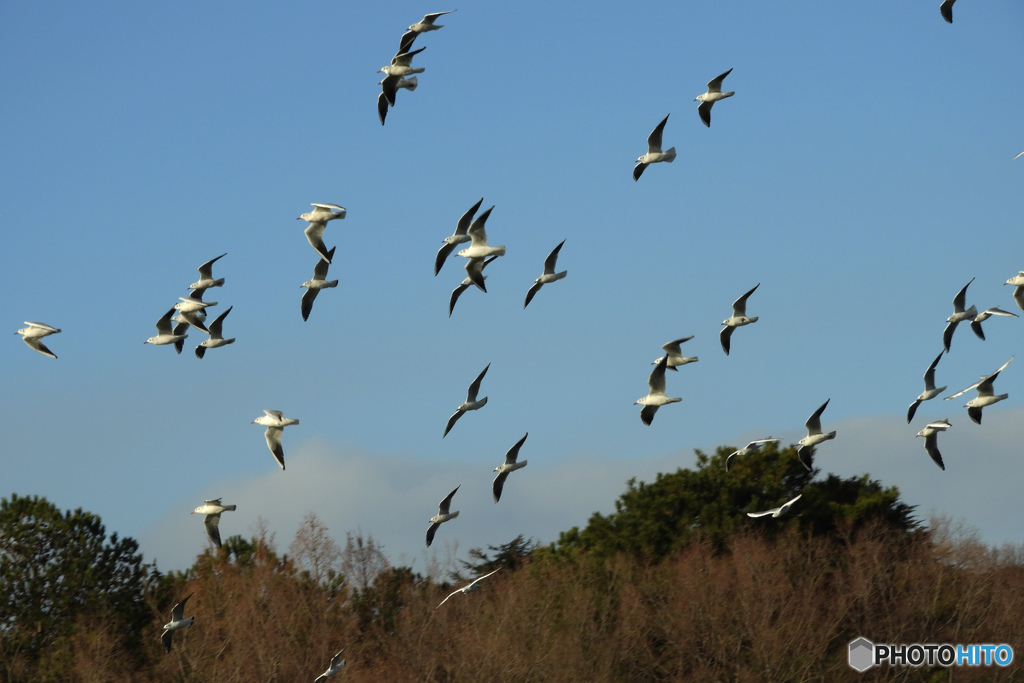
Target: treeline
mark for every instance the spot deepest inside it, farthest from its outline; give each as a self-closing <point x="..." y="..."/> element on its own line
<point x="676" y="584"/>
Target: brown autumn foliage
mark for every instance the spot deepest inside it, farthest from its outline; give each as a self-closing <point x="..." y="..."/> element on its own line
<point x="763" y="609"/>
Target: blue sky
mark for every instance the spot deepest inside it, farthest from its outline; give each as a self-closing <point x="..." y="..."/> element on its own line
<point x="863" y="173"/>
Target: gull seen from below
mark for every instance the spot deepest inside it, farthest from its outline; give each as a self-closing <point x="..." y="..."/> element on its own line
<point x="478" y="247"/>
<point x="776" y="512"/>
<point x="510" y="465"/>
<point x="442" y="516"/>
<point x="708" y="99"/>
<point x="33" y="335"/>
<point x="959" y="315"/>
<point x="931" y="444"/>
<point x="737" y="319"/>
<point x="337" y="664"/>
<point x="986" y="394"/>
<point x="316" y="283"/>
<point x="216" y="339"/>
<point x="656" y="397"/>
<point x="654" y="154"/>
<point x="275" y="422"/>
<point x="211" y="510"/>
<point x="985" y="315"/>
<point x="1018" y="290"/>
<point x="747" y="450"/>
<point x="471" y="403"/>
<point x="474" y="274"/>
<point x="930" y="390"/>
<point x="165" y="335"/>
<point x="317" y="219"/>
<point x="548" y="276"/>
<point x="177" y="622"/>
<point x="460" y="236"/>
<point x="675" y="354"/>
<point x="206" y="279"/>
<point x="468" y="588"/>
<point x="814" y="436"/>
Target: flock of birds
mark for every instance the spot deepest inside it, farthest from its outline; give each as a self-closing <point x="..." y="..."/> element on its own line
<point x="190" y="312"/>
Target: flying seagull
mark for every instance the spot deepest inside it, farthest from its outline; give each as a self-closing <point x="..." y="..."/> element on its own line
<point x="337" y="664"/>
<point x="986" y="395"/>
<point x="548" y="276"/>
<point x="401" y="65"/>
<point x="442" y="516"/>
<point x="946" y="8"/>
<point x="776" y="512"/>
<point x="747" y="450"/>
<point x="178" y="621"/>
<point x="165" y="334"/>
<point x="510" y="465"/>
<point x="931" y="444"/>
<point x="275" y="422"/>
<point x="737" y="319"/>
<point x="212" y="509"/>
<point x="469" y="588"/>
<point x="675" y="354"/>
<point x="814" y="436"/>
<point x="458" y="237"/>
<point x="708" y="99"/>
<point x="478" y="247"/>
<point x="474" y="273"/>
<point x="959" y="315"/>
<point x="317" y="219"/>
<point x="1018" y="290"/>
<point x="930" y="390"/>
<point x="316" y="283"/>
<point x="206" y="279"/>
<point x="471" y="403"/>
<point x="985" y="315"/>
<point x="654" y="154"/>
<point x="216" y="339"/>
<point x="33" y="335"/>
<point x="389" y="89"/>
<point x="427" y="22"/>
<point x="656" y="397"/>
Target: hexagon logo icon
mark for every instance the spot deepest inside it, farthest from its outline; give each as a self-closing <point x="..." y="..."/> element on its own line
<point x="862" y="654"/>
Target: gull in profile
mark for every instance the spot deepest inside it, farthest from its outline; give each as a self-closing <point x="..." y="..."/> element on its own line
<point x="708" y="99"/>
<point x="747" y="450"/>
<point x="427" y="22"/>
<point x="510" y="465"/>
<point x="814" y="436"/>
<point x="478" y="247"/>
<point x="165" y="335"/>
<point x="33" y="335"/>
<point x="275" y="422"/>
<point x="471" y="403"/>
<point x="178" y="621"/>
<point x="212" y="509"/>
<point x="654" y="154"/>
<point x="337" y="664"/>
<point x="548" y="276"/>
<point x="318" y="282"/>
<point x="458" y="237"/>
<point x="1018" y="282"/>
<point x="656" y="397"/>
<point x="401" y="65"/>
<point x="959" y="315"/>
<point x="985" y="315"/>
<point x="946" y="9"/>
<point x="675" y="354"/>
<point x="931" y="444"/>
<point x="389" y="88"/>
<point x="776" y="512"/>
<point x="930" y="390"/>
<point x="317" y="219"/>
<point x="986" y="395"/>
<point x="442" y="516"/>
<point x="469" y="588"/>
<point x="474" y="274"/>
<point x="206" y="279"/>
<point x="216" y="339"/>
<point x="193" y="302"/>
<point x="737" y="319"/>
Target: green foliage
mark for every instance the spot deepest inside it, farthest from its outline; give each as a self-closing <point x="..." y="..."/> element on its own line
<point x="708" y="503"/>
<point x="58" y="569"/>
<point x="511" y="555"/>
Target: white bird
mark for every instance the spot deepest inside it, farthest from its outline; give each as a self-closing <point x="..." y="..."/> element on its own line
<point x="401" y="65"/>
<point x="737" y="319"/>
<point x="193" y="302"/>
<point x="747" y="450"/>
<point x="1019" y="154"/>
<point x="318" y="282"/>
<point x="33" y="334"/>
<point x="212" y="509"/>
<point x="675" y="354"/>
<point x="946" y="9"/>
<point x="1018" y="282"/>
<point x="469" y="588"/>
<point x="986" y="394"/>
<point x="442" y="516"/>
<point x="478" y="247"/>
<point x="471" y="403"/>
<point x="776" y="512"/>
<point x="317" y="219"/>
<point x="165" y="334"/>
<point x="708" y="99"/>
<point x="337" y="664"/>
<point x="178" y="621"/>
<point x="510" y="465"/>
<point x="959" y="315"/>
<point x="196" y="319"/>
<point x="275" y="422"/>
<point x="206" y="279"/>
<point x="985" y="315"/>
<point x="930" y="390"/>
<point x="427" y="22"/>
<point x="389" y="89"/>
<point x="548" y="276"/>
<point x="458" y="237"/>
<point x="474" y="274"/>
<point x="814" y="436"/>
<point x="654" y="154"/>
<point x="216" y="339"/>
<point x="931" y="444"/>
<point x="656" y="397"/>
<point x="182" y="327"/>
